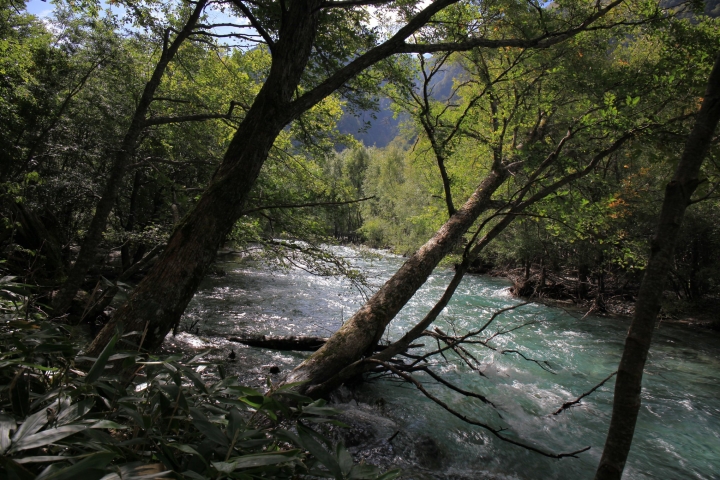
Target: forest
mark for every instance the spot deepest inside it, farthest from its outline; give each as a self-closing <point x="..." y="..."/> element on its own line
<point x="568" y="150"/>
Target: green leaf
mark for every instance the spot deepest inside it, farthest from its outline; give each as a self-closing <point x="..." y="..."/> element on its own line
<point x="254" y="401"/>
<point x="13" y="471"/>
<point x="204" y="426"/>
<point x="364" y="472"/>
<point x="196" y="476"/>
<point x="288" y="436"/>
<point x="98" y="461"/>
<point x="193" y="376"/>
<point x="99" y="367"/>
<point x="46" y="437"/>
<point x="344" y="459"/>
<point x="199" y="356"/>
<point x="390" y="475"/>
<point x="293" y="396"/>
<point x="108" y="424"/>
<point x="318" y="451"/>
<point x="7" y="425"/>
<point x="257" y="460"/>
<point x="44" y="459"/>
<point x="74" y="412"/>
<point x="32" y="424"/>
<point x="187" y="449"/>
<point x="138" y="470"/>
<point x="321" y="411"/>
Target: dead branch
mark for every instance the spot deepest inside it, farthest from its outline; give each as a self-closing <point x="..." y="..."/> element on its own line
<point x="301" y="344"/>
<point x="497" y="432"/>
<point x="453" y="387"/>
<point x="453" y="343"/>
<point x="567" y="405"/>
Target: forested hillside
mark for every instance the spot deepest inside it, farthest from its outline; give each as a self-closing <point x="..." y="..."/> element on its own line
<point x="542" y="142"/>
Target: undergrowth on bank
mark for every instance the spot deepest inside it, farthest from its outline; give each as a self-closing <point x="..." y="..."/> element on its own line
<point x="126" y="415"/>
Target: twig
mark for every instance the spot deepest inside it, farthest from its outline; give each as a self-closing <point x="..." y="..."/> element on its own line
<point x="453" y="387"/>
<point x="567" y="405"/>
<point x="495" y="431"/>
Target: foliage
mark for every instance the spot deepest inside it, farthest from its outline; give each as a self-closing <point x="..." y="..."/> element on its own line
<point x="466" y="109"/>
<point x="63" y="414"/>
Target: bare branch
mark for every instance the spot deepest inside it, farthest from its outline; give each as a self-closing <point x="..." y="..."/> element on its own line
<point x="567" y="405"/>
<point x="190" y="118"/>
<point x="255" y="23"/>
<point x="396" y="44"/>
<point x="352" y="3"/>
<point x="218" y="25"/>
<point x="497" y="432"/>
<point x="453" y="387"/>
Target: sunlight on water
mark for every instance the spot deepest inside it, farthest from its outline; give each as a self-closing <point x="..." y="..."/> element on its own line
<point x="678" y="433"/>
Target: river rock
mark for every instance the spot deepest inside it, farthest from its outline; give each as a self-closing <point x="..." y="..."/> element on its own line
<point x="341" y="394"/>
<point x="367" y="428"/>
<point x="428" y="453"/>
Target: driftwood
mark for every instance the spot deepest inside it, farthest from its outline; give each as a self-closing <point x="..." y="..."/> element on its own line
<point x="300" y="344"/>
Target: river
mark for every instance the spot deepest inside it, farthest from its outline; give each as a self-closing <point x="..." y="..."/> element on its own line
<point x="678" y="431"/>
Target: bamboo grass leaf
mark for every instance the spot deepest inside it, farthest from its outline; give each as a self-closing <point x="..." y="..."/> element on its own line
<point x="99" y="367"/>
<point x="46" y="437"/>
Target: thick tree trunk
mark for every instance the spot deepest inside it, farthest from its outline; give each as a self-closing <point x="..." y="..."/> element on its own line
<point x="628" y="387"/>
<point x="93" y="236"/>
<point x="159" y="301"/>
<point x="357" y="336"/>
<point x="33" y="234"/>
<point x="162" y="296"/>
<point x="126" y="258"/>
<point x="360" y="334"/>
<point x="583" y="282"/>
<point x="323" y="386"/>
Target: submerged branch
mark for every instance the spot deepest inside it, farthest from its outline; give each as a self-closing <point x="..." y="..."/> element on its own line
<point x="453" y="387"/>
<point x="567" y="405"/>
<point x="497" y="432"/>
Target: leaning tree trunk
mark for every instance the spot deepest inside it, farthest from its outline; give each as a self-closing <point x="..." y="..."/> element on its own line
<point x="158" y="302"/>
<point x="628" y="387"/>
<point x="360" y="334"/>
<point x="357" y="336"/>
<point x="93" y="236"/>
<point x="160" y="299"/>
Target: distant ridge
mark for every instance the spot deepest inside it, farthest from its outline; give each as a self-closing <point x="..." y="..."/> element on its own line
<point x="379" y="128"/>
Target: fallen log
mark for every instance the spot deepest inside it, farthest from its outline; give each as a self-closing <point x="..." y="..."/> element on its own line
<point x="300" y="344"/>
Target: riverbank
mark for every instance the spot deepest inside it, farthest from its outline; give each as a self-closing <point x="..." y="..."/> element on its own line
<point x="678" y="424"/>
<point x="565" y="290"/>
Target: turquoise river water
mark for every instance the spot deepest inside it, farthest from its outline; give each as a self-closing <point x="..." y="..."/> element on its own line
<point x="678" y="432"/>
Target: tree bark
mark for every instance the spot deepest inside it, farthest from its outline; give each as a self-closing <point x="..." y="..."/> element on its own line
<point x="125" y="256"/>
<point x="93" y="237"/>
<point x="364" y="329"/>
<point x="583" y="281"/>
<point x="161" y="298"/>
<point x="300" y="344"/>
<point x="32" y="233"/>
<point x="626" y="404"/>
<point x="342" y="356"/>
<point x="158" y="302"/>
